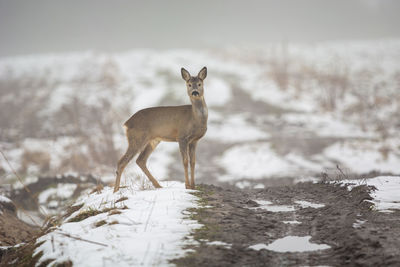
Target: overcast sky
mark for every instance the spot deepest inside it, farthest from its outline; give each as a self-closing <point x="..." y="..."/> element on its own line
<point x="39" y="26"/>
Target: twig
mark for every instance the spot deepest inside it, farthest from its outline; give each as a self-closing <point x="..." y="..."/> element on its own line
<point x="81" y="239"/>
<point x="16" y="174"/>
<point x="344" y="176"/>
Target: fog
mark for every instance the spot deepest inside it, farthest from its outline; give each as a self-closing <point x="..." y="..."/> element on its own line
<point x="29" y="27"/>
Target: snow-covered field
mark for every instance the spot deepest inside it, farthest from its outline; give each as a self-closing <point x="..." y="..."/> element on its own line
<point x="292" y="110"/>
<point x="133" y="228"/>
<point x="386" y="197"/>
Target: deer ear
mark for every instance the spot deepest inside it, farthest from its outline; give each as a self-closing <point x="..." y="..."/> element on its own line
<point x="202" y="73"/>
<point x="185" y="74"/>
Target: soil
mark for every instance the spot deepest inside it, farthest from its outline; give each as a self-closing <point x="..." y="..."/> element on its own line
<point x="234" y="219"/>
<point x="13" y="231"/>
<point x="232" y="216"/>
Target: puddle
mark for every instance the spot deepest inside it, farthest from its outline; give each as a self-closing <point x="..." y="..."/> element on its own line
<point x="291" y="244"/>
<point x="267" y="205"/>
<point x="306" y="204"/>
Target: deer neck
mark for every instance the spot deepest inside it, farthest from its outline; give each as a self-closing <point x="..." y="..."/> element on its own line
<point x="200" y="110"/>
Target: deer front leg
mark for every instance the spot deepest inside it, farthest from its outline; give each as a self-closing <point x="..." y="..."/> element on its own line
<point x="183" y="147"/>
<point x="192" y="158"/>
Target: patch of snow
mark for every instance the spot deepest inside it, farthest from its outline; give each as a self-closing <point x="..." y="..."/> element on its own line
<point x="259" y="186"/>
<point x="252" y="161"/>
<point x="62" y="191"/>
<point x="149" y="232"/>
<point x="243" y="184"/>
<point x="292" y="222"/>
<point x="305" y="179"/>
<point x="306" y="204"/>
<point x="267" y="205"/>
<point x="358" y="223"/>
<point x="258" y="247"/>
<point x="386" y="197"/>
<point x="278" y="208"/>
<point x="15" y="246"/>
<point x="302" y="163"/>
<point x="219" y="243"/>
<point x="325" y="125"/>
<point x="234" y="129"/>
<point x="4" y="199"/>
<point x="363" y="156"/>
<point x="217" y="92"/>
<point x="291" y="244"/>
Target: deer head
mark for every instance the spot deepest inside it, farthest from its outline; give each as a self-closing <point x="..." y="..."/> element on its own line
<point x="194" y="85"/>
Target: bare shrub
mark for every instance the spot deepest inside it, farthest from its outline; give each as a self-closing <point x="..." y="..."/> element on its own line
<point x="334" y="84"/>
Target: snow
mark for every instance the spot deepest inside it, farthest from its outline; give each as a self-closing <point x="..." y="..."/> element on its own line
<point x="149" y="232"/>
<point x="278" y="208"/>
<point x="364" y="117"/>
<point x="386" y="197"/>
<point x="364" y="156"/>
<point x="358" y="223"/>
<point x="220" y="243"/>
<point x="292" y="222"/>
<point x="291" y="244"/>
<point x="267" y="205"/>
<point x="243" y="184"/>
<point x="233" y="129"/>
<point x="306" y="204"/>
<point x="325" y="125"/>
<point x="253" y="161"/>
<point x="4" y="199"/>
<point x="259" y="186"/>
<point x="218" y="92"/>
<point x="62" y="191"/>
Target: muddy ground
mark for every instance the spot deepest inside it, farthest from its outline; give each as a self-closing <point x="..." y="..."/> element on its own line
<point x="230" y="219"/>
<point x="232" y="216"/>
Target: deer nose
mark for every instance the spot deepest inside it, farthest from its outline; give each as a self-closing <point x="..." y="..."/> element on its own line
<point x="195" y="93"/>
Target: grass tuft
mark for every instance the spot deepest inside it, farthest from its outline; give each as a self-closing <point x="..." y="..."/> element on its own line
<point x="100" y="223"/>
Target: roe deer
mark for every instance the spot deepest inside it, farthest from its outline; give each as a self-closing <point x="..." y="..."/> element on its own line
<point x="183" y="124"/>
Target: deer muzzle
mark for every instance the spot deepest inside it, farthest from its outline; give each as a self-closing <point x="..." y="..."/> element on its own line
<point x="195" y="93"/>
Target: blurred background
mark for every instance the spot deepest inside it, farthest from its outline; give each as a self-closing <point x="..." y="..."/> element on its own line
<point x="296" y="90"/>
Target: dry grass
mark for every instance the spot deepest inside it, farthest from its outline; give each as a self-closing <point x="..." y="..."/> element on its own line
<point x="39" y="158"/>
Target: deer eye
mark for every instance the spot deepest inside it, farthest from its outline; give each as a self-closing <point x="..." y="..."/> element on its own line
<point x="199" y="84"/>
<point x="190" y="85"/>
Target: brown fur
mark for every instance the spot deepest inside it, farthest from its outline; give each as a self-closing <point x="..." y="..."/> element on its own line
<point x="183" y="124"/>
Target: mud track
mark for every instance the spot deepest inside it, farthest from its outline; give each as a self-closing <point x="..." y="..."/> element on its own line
<point x="234" y="219"/>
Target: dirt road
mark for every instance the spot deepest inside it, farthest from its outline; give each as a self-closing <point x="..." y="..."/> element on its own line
<point x="356" y="234"/>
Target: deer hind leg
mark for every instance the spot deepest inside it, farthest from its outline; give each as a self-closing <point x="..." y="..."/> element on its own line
<point x="130" y="153"/>
<point x="183" y="147"/>
<point x="142" y="159"/>
<point x="192" y="158"/>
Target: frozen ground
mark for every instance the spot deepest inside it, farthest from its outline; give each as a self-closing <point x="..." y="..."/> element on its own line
<point x="134" y="228"/>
